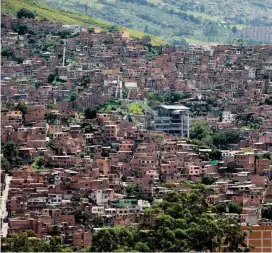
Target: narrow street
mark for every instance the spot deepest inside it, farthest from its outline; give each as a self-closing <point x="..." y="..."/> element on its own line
<point x="4" y="213"/>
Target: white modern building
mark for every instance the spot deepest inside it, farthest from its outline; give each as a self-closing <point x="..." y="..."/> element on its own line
<point x="102" y="196"/>
<point x="228" y="116"/>
<point x="172" y="119"/>
<point x="74" y="28"/>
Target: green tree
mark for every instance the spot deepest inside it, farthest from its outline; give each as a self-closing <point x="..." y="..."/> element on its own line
<point x="228" y="207"/>
<point x="207" y="180"/>
<point x="51" y="117"/>
<point x="267" y="212"/>
<point x="240" y="42"/>
<point x="24" y="13"/>
<point x="7" y="52"/>
<point x="55" y="231"/>
<point x="164" y="220"/>
<point x="223" y="138"/>
<point x="232" y="237"/>
<point x="114" y="28"/>
<point x="193" y="230"/>
<point x="64" y="34"/>
<point x="263" y="156"/>
<point x="28" y="241"/>
<point x="90" y="30"/>
<point x="51" y="144"/>
<point x="40" y="161"/>
<point x="104" y="240"/>
<point x="98" y="221"/>
<point x="31" y="41"/>
<point x="51" y="78"/>
<point x="234" y="29"/>
<point x="73" y="98"/>
<point x="231" y="167"/>
<point x="268" y="100"/>
<point x="50" y="106"/>
<point x="142" y="247"/>
<point x="165" y="97"/>
<point x="22" y="29"/>
<point x="132" y="189"/>
<point x="210" y="28"/>
<point x="80" y="216"/>
<point x="22" y="107"/>
<point x="200" y="132"/>
<point x="5" y="165"/>
<point x="11" y="153"/>
<point x="203" y="236"/>
<point x="90" y="113"/>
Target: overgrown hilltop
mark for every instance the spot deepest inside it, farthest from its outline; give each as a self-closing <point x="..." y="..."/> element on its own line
<point x="174" y="21"/>
<point x="45" y="12"/>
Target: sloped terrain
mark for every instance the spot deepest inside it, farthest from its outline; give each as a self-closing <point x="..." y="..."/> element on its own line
<point x="66" y="16"/>
<point x="176" y="20"/>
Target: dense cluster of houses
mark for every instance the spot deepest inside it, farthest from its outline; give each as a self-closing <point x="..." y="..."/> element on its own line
<point x="89" y="163"/>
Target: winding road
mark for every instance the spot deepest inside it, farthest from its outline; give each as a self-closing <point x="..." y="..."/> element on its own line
<point x="4" y="213"/>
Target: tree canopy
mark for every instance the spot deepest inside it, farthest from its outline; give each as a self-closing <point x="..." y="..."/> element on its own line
<point x="28" y="241"/>
<point x="201" y="134"/>
<point x="267" y="212"/>
<point x="22" y="107"/>
<point x="132" y="189"/>
<point x="180" y="223"/>
<point x="165" y="97"/>
<point x="248" y="120"/>
<point x="10" y="155"/>
<point x="25" y="13"/>
<point x="90" y="113"/>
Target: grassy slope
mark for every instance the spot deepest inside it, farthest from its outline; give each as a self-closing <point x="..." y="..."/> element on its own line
<point x="69" y="17"/>
<point x="131" y="14"/>
<point x="157" y="20"/>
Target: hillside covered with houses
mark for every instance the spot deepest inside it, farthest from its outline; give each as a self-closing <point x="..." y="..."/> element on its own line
<point x="85" y="159"/>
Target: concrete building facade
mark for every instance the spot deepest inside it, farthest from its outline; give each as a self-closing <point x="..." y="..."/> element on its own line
<point x="172" y="119"/>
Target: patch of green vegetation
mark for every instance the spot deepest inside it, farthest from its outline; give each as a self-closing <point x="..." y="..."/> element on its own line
<point x="38" y="168"/>
<point x="203" y="136"/>
<point x="205" y="16"/>
<point x="44" y="12"/>
<point x="182" y="222"/>
<point x="174" y="21"/>
<point x="248" y="150"/>
<point x="138" y="108"/>
<point x="57" y="81"/>
<point x="39" y="164"/>
<point x="165" y="97"/>
<point x="248" y="121"/>
<point x="110" y="105"/>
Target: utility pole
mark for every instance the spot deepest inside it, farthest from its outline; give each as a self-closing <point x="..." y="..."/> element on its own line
<point x="117" y="88"/>
<point x="128" y="94"/>
<point x="120" y="84"/>
<point x="86" y="9"/>
<point x="188" y="125"/>
<point x="64" y="51"/>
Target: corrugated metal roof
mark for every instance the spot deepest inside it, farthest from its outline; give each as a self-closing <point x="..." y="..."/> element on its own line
<point x="174" y="107"/>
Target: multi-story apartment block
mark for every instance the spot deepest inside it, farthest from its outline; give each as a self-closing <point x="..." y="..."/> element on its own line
<point x="173" y="119"/>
